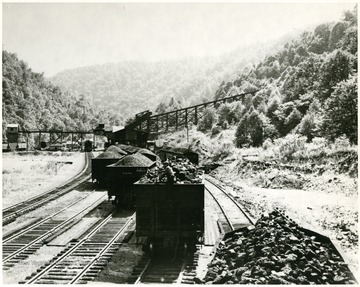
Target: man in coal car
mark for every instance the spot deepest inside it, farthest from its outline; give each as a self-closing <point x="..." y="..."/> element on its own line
<point x="168" y="172"/>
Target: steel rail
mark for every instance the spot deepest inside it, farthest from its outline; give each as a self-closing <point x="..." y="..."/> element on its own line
<point x="48" y="233"/>
<point x="233" y="200"/>
<point x="40" y="222"/>
<point x="222" y="209"/>
<point x="48" y="195"/>
<point x="181" y="274"/>
<point x="102" y="252"/>
<point x="138" y="280"/>
<point x="75" y="247"/>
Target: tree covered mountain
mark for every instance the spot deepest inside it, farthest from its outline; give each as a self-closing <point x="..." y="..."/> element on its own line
<point x="131" y="87"/>
<point x="309" y="87"/>
<point x="31" y="101"/>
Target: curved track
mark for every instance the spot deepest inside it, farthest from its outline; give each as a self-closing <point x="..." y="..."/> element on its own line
<point x="234" y="216"/>
<point x="11" y="213"/>
<point x="83" y="260"/>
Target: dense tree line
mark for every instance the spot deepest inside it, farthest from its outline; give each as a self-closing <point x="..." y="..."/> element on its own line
<point x="306" y="86"/>
<point x="309" y="87"/>
<point x="31" y="101"/>
<point x="132" y="87"/>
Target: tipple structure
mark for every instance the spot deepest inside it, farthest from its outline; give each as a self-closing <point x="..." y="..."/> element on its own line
<point x="178" y="119"/>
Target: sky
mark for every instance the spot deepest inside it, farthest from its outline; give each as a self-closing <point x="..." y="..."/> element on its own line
<point x="52" y="37"/>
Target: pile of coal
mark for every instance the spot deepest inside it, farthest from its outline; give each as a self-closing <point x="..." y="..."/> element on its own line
<point x="185" y="173"/>
<point x="134" y="160"/>
<point x="151" y="176"/>
<point x="128" y="148"/>
<point x="277" y="251"/>
<point x="116" y="149"/>
<point x="149" y="154"/>
<point x="109" y="154"/>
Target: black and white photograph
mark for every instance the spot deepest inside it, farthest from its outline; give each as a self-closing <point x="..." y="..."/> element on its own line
<point x="207" y="142"/>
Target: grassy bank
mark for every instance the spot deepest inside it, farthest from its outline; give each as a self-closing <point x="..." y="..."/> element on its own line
<point x="30" y="173"/>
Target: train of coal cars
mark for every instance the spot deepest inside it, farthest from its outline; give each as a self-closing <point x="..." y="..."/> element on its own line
<point x="168" y="215"/>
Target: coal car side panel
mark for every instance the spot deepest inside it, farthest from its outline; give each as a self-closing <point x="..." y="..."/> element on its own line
<point x="170" y="212"/>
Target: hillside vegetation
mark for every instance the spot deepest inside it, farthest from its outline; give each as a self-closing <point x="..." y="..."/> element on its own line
<point x="309" y="88"/>
<point x="131" y="87"/>
<point x="31" y="101"/>
<point x="303" y="119"/>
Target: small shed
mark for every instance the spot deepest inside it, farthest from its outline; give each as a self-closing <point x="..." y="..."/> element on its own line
<point x="12" y="133"/>
<point x="131" y="137"/>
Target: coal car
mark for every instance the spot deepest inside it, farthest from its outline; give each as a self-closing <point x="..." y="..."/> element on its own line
<point x="98" y="165"/>
<point x="172" y="152"/>
<point x="123" y="174"/>
<point x="88" y="145"/>
<point x="170" y="216"/>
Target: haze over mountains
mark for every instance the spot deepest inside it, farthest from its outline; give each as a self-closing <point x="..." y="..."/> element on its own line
<point x="131" y="87"/>
<point x="307" y="84"/>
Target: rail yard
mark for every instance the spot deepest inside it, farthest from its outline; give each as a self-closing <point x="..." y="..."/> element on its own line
<point x="183" y="227"/>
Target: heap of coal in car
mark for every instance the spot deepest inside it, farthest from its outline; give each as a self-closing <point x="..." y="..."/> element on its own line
<point x="117" y="149"/>
<point x="277" y="251"/>
<point x="134" y="160"/>
<point x="185" y="172"/>
<point x="149" y="154"/>
<point x="109" y="154"/>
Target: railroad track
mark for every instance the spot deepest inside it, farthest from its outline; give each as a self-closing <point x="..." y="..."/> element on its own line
<point x="234" y="215"/>
<point x="20" y="245"/>
<point x="182" y="270"/>
<point x="11" y="213"/>
<point x="162" y="270"/>
<point x="83" y="260"/>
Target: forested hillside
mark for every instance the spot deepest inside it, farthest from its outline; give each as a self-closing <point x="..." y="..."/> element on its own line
<point x="31" y="101"/>
<point x="132" y="87"/>
<point x="309" y="87"/>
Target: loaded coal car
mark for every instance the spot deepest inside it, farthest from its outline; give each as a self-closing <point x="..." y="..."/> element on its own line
<point x="170" y="216"/>
<point x="98" y="164"/>
<point x="123" y="174"/>
<point x="88" y="145"/>
<point x="168" y="153"/>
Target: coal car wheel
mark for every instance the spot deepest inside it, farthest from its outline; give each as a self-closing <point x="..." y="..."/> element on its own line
<point x="118" y="202"/>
